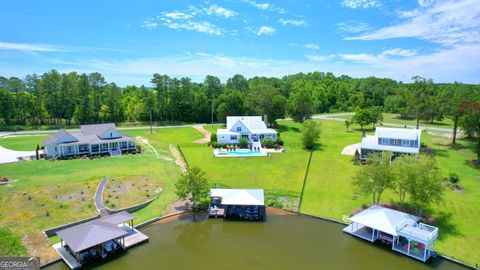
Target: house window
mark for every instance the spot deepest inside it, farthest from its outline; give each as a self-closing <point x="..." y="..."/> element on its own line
<point x="239" y="128"/>
<point x="405" y="142"/>
<point x="111" y="135"/>
<point x="385" y="141"/>
<point x="262" y="136"/>
<point x="395" y="141"/>
<point x="233" y="137"/>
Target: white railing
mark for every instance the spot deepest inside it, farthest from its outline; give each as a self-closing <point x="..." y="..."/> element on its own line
<point x="420" y="231"/>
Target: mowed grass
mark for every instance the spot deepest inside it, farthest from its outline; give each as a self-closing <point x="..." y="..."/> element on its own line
<point x="23" y="142"/>
<point x="329" y="191"/>
<point x="395" y="119"/>
<point x="45" y="193"/>
<point x="280" y="171"/>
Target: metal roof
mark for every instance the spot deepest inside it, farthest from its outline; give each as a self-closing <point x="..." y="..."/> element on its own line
<point x="239" y="196"/>
<point x="95" y="232"/>
<point x="55" y="137"/>
<point x="398" y="133"/>
<point x="384" y="219"/>
<point x="371" y="143"/>
<point x="96" y="129"/>
<point x="250" y="122"/>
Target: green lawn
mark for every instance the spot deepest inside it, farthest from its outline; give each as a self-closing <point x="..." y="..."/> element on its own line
<point x="280" y="171"/>
<point x="47" y="193"/>
<point x="328" y="190"/>
<point x="23" y="142"/>
<point x="395" y="119"/>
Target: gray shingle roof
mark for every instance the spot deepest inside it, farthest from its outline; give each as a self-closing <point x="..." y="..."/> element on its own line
<point x="55" y="137"/>
<point x="95" y="232"/>
<point x="96" y="129"/>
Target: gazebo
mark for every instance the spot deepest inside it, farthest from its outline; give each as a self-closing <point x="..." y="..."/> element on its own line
<point x="403" y="231"/>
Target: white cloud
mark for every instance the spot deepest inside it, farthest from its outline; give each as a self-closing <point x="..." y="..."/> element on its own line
<point x="447" y="23"/>
<point x="379" y="58"/>
<point x="201" y="27"/>
<point x="319" y="58"/>
<point x="292" y="22"/>
<point x="425" y="3"/>
<point x="360" y="4"/>
<point x="219" y="11"/>
<point x="149" y="24"/>
<point x="265" y="30"/>
<point x="175" y="15"/>
<point x="353" y="27"/>
<point x="312" y="46"/>
<point x="27" y="47"/>
<point x="266" y="6"/>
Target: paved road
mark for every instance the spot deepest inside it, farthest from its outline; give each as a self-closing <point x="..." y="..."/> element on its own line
<point x="331" y="117"/>
<point x="8" y="156"/>
<point x="334" y="117"/>
<point x="29" y="132"/>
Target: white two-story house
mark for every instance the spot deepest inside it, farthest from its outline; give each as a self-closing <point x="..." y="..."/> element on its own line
<point x="397" y="140"/>
<point x="90" y="140"/>
<point x="251" y="127"/>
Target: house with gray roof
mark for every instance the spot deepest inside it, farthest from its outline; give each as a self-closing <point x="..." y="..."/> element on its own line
<point x="90" y="140"/>
<point x="396" y="140"/>
<point x="253" y="128"/>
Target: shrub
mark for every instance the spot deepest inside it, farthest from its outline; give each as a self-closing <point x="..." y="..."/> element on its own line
<point x="453" y="178"/>
<point x="214" y="144"/>
<point x="243" y="142"/>
<point x="274" y="202"/>
<point x="268" y="143"/>
<point x="310" y="133"/>
<point x="213" y="137"/>
<point x="280" y="142"/>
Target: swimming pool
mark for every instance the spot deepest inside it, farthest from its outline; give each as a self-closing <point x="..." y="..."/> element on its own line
<point x="239" y="153"/>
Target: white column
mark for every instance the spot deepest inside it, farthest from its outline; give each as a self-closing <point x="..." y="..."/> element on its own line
<point x="408" y="250"/>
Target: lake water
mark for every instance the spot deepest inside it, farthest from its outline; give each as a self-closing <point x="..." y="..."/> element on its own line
<point x="282" y="242"/>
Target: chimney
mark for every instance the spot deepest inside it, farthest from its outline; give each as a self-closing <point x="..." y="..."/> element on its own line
<point x="265" y="119"/>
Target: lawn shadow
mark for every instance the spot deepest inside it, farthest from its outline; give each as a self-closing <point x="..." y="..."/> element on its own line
<point x="283" y="128"/>
<point x="474" y="163"/>
<point x="446" y="228"/>
<point x="441" y="153"/>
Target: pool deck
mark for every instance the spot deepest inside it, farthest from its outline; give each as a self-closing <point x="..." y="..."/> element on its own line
<point x="243" y="153"/>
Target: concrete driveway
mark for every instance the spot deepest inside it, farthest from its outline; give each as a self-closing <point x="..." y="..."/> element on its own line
<point x="8" y="156"/>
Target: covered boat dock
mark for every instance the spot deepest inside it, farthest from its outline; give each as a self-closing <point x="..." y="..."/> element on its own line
<point x="246" y="204"/>
<point x="403" y="231"/>
<point x="97" y="239"/>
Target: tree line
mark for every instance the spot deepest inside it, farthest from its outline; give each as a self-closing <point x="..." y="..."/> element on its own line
<point x="55" y="98"/>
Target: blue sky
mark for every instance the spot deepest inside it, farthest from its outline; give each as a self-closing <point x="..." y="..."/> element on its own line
<point x="128" y="41"/>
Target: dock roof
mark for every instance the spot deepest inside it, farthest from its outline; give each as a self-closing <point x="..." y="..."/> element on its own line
<point x="239" y="196"/>
<point x="384" y="219"/>
<point x="95" y="232"/>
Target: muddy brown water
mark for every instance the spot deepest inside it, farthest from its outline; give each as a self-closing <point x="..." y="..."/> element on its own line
<point x="282" y="242"/>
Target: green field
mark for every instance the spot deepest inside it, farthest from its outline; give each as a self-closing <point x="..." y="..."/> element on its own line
<point x="328" y="190"/>
<point x="395" y="119"/>
<point x="23" y="142"/>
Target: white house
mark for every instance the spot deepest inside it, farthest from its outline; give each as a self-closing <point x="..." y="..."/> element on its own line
<point x="250" y="127"/>
<point x="396" y="140"/>
<point x="90" y="140"/>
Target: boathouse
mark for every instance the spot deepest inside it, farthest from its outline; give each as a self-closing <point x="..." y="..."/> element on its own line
<point x="403" y="231"/>
<point x="246" y="204"/>
<point x="97" y="239"/>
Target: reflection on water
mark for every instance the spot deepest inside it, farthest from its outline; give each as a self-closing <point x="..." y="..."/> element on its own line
<point x="283" y="242"/>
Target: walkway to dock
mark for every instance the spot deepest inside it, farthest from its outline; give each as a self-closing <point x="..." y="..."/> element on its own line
<point x="98" y="198"/>
<point x="134" y="237"/>
<point x="67" y="257"/>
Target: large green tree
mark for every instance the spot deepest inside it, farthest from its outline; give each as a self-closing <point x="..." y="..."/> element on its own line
<point x="193" y="186"/>
<point x="375" y="177"/>
<point x="310" y="133"/>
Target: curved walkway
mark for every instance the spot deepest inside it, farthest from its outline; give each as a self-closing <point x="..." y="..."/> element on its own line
<point x="8" y="156"/>
<point x="99" y="198"/>
<point x="205" y="132"/>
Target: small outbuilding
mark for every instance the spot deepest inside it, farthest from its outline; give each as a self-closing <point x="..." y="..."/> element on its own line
<point x="403" y="231"/>
<point x="246" y="204"/>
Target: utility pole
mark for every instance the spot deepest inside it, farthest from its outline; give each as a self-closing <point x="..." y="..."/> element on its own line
<point x="151" y="128"/>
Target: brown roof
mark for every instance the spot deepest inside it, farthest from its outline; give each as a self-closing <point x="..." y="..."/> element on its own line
<point x="95" y="232"/>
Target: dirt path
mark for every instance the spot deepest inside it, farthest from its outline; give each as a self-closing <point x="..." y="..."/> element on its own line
<point x="351" y="149"/>
<point x="38" y="245"/>
<point x="204" y="132"/>
<point x="178" y="158"/>
<point x="177" y="206"/>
